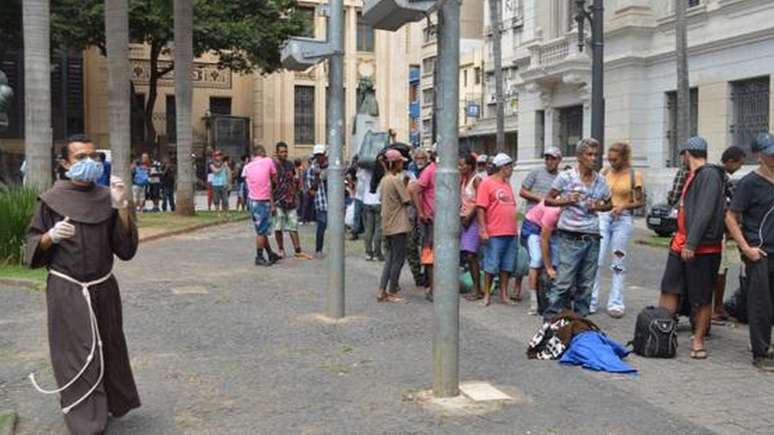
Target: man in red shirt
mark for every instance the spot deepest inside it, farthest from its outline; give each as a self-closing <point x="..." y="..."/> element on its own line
<point x="423" y="193"/>
<point x="497" y="226"/>
<point x="694" y="257"/>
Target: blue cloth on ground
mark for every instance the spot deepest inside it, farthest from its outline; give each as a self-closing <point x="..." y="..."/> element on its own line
<point x="595" y="351"/>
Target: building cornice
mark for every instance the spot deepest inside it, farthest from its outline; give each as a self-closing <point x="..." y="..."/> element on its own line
<point x="693" y="50"/>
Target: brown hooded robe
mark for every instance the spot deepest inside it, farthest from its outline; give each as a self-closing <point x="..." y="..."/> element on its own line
<point x="88" y="256"/>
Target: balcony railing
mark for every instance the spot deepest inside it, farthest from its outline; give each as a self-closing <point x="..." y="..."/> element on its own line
<point x="554" y="51"/>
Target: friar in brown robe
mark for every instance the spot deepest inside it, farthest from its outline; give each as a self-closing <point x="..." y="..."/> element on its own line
<point x="86" y="339"/>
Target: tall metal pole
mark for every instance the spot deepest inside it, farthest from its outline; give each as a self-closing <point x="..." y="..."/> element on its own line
<point x="446" y="306"/>
<point x="335" y="297"/>
<point x="597" y="76"/>
<point x="683" y="84"/>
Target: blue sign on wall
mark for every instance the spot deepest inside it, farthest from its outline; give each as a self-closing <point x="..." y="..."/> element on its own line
<point x="473" y="110"/>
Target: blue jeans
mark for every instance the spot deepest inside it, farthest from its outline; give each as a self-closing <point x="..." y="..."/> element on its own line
<point x="322" y="224"/>
<point x="616" y="233"/>
<point x="575" y="277"/>
<point x="168" y="197"/>
<point x="357" y="227"/>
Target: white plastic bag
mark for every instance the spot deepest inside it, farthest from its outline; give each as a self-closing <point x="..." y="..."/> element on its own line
<point x="349" y="215"/>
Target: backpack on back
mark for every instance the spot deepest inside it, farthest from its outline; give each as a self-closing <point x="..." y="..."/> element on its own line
<point x="655" y="333"/>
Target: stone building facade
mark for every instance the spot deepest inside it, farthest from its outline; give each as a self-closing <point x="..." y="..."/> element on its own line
<point x="730" y="59"/>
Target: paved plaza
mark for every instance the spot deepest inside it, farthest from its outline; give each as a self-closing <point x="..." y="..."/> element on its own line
<point x="220" y="346"/>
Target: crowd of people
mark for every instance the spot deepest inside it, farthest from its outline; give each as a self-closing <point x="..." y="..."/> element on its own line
<point x="577" y="222"/>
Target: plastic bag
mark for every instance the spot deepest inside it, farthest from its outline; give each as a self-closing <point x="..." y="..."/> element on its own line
<point x="349" y="215"/>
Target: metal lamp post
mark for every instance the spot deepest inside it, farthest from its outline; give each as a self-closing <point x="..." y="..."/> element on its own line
<point x="596" y="18"/>
<point x="391" y="15"/>
<point x="300" y="54"/>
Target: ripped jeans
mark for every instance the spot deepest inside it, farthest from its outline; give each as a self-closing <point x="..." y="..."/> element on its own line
<point x="616" y="232"/>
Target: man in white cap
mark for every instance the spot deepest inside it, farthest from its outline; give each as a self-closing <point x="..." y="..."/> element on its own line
<point x="497" y="226"/>
<point x="538" y="182"/>
<point x="317" y="184"/>
<point x="481" y="162"/>
<point x="534" y="189"/>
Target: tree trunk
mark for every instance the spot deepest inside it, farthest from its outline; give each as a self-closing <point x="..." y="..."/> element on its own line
<point x="37" y="93"/>
<point x="683" y="85"/>
<point x="119" y="103"/>
<point x="494" y="21"/>
<point x="183" y="105"/>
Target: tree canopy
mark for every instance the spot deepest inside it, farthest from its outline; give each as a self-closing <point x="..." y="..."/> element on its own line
<point x="245" y="34"/>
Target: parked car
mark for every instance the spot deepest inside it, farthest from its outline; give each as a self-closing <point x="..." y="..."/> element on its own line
<point x="662" y="219"/>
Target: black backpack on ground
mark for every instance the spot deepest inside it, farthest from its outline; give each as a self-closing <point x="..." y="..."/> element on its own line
<point x="655" y="333"/>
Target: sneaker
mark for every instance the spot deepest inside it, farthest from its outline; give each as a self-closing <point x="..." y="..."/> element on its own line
<point x="615" y="313"/>
<point x="369" y="257"/>
<point x="273" y="258"/>
<point x="429" y="296"/>
<point x="380" y="258"/>
<point x="764" y="363"/>
<point x="260" y="261"/>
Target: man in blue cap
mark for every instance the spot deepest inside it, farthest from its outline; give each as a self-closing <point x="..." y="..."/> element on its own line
<point x="753" y="206"/>
<point x="694" y="257"/>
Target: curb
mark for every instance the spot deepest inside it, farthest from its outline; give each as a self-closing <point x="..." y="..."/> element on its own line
<point x="32" y="283"/>
<point x="7" y="421"/>
<point x="190" y="229"/>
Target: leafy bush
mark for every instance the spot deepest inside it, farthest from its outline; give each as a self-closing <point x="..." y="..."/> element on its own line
<point x="17" y="204"/>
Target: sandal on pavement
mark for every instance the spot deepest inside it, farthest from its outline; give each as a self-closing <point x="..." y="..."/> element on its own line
<point x="396" y="299"/>
<point x="698" y="354"/>
<point x="381" y="297"/>
<point x="473" y="297"/>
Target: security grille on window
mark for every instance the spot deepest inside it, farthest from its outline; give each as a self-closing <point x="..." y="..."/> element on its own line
<point x="570" y="128"/>
<point x="750" y="113"/>
<point x="365" y="35"/>
<point x="304" y="115"/>
<point x="673" y="159"/>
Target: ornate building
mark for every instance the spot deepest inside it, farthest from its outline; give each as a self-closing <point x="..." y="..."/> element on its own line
<point x="730" y="58"/>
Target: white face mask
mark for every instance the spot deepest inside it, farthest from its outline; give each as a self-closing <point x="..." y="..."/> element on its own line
<point x="86" y="171"/>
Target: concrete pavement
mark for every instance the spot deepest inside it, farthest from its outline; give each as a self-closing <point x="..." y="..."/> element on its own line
<point x="221" y="346"/>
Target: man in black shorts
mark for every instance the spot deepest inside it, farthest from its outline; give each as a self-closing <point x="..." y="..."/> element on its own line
<point x="694" y="257"/>
<point x="753" y="202"/>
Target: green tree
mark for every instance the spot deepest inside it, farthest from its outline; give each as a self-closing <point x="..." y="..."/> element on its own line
<point x="244" y="34"/>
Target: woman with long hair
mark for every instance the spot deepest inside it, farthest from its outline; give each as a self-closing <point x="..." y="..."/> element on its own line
<point x="616" y="226"/>
<point x="469" y="242"/>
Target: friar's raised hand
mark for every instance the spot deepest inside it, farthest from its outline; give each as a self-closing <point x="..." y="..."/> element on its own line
<point x="62" y="230"/>
<point x="118" y="192"/>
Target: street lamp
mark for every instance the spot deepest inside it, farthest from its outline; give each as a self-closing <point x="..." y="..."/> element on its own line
<point x="391" y="15"/>
<point x="299" y="53"/>
<point x="595" y="16"/>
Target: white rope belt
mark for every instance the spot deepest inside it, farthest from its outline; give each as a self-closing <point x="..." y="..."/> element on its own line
<point x="96" y="340"/>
